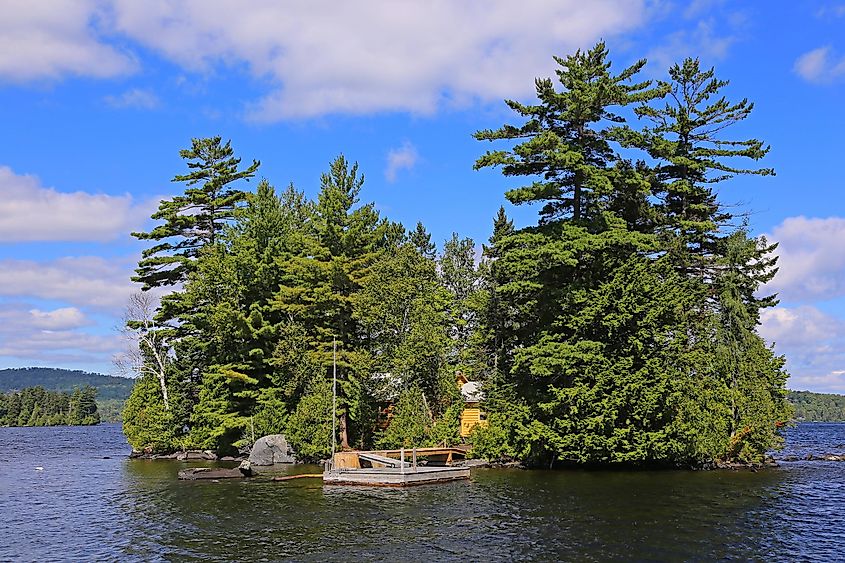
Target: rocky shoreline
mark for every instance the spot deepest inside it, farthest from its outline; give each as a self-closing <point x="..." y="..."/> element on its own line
<point x="187" y="455"/>
<point x="813" y="457"/>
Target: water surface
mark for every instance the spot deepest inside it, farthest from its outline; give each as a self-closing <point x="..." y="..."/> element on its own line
<point x="92" y="503"/>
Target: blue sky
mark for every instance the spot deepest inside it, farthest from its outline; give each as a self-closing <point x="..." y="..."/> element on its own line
<point x="97" y="97"/>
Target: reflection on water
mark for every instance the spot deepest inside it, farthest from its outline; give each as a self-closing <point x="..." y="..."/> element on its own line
<point x="84" y="507"/>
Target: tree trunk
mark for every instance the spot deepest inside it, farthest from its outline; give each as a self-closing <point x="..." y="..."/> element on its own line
<point x="344" y="433"/>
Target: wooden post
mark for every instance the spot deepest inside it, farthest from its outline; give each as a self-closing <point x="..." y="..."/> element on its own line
<point x="402" y="460"/>
<point x="415" y="459"/>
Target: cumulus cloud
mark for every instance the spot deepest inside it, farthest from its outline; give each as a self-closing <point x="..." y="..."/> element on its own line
<point x="48" y="40"/>
<point x="32" y="212"/>
<point x="811" y="259"/>
<point x="402" y="158"/>
<point x="49" y="336"/>
<point x="327" y="57"/>
<point x="136" y="98"/>
<point x="798" y="327"/>
<point x="820" y="65"/>
<point x="87" y="281"/>
<point x="813" y="343"/>
<point x="58" y="319"/>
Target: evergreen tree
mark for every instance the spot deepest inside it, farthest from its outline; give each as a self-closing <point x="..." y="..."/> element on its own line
<point x="692" y="157"/>
<point x="148" y="426"/>
<point x="565" y="144"/>
<point x="752" y="374"/>
<point x="607" y="340"/>
<point x="321" y="282"/>
<point x="195" y="219"/>
<point x="421" y="240"/>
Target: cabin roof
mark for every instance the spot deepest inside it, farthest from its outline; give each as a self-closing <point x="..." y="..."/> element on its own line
<point x="471" y="392"/>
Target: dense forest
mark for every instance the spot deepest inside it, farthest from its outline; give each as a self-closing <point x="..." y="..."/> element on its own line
<point x="36" y="406"/>
<point x="618" y="329"/>
<point x="112" y="391"/>
<point x="818" y="407"/>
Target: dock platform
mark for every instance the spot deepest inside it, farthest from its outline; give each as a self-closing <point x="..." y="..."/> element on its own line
<point x="393" y="476"/>
<point x="378" y="469"/>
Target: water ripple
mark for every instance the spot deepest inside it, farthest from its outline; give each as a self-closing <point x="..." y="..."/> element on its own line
<point x="84" y="507"/>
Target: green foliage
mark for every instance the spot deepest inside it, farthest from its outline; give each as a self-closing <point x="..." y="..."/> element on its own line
<point x="621" y="328"/>
<point x="510" y="433"/>
<point x="817" y="407"/>
<point x="52" y="379"/>
<point x="196" y="218"/>
<point x="36" y="406"/>
<point x="625" y="321"/>
<point x="411" y="422"/>
<point x="402" y="311"/>
<point x="309" y="427"/>
<point x="148" y="426"/>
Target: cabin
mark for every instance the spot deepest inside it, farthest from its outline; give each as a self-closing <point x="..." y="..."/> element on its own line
<point x="389" y="389"/>
<point x="472" y="415"/>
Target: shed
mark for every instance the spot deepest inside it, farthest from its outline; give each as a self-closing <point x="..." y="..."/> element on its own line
<point x="472" y="415"/>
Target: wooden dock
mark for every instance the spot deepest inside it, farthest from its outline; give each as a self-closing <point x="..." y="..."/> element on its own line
<point x="394" y="477"/>
<point x="444" y="455"/>
<point x="394" y="468"/>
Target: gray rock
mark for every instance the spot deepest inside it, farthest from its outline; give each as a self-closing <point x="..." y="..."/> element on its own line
<point x="271" y="449"/>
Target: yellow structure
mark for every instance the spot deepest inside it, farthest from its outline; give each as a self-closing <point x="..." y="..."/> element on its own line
<point x="472" y="414"/>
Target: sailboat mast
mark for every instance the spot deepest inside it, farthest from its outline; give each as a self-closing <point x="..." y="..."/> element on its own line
<point x="334" y="395"/>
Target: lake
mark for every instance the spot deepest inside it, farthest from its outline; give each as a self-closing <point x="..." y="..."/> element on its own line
<point x="92" y="503"/>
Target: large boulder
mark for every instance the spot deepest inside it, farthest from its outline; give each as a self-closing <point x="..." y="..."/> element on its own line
<point x="271" y="449"/>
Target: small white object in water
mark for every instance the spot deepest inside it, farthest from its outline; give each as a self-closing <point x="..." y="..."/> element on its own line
<point x="39" y="469"/>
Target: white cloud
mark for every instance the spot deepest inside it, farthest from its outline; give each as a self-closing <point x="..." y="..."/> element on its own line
<point x="87" y="281"/>
<point x="48" y="40"/>
<point x="31" y="212"/>
<point x="136" y="98"/>
<point x="382" y="55"/>
<point x="51" y="336"/>
<point x="798" y="327"/>
<point x="697" y="7"/>
<point x="58" y="319"/>
<point x="811" y="259"/>
<point x="820" y="65"/>
<point x="402" y="158"/>
<point x="813" y="343"/>
<point x="708" y="40"/>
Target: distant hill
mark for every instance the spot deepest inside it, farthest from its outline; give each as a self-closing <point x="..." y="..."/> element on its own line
<point x="818" y="407"/>
<point x="111" y="391"/>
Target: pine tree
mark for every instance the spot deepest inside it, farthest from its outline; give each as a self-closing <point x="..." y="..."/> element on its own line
<point x="195" y="219"/>
<point x="321" y="282"/>
<point x="565" y="144"/>
<point x="685" y="138"/>
<point x="421" y="240"/>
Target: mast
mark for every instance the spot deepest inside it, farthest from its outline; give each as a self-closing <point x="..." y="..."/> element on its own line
<point x="334" y="396"/>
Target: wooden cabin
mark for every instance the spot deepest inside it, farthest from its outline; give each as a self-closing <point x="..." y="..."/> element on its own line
<point x="472" y="414"/>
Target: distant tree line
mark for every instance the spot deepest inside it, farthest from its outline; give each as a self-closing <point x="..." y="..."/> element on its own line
<point x="818" y="407"/>
<point x="57" y="379"/>
<point x="621" y="328"/>
<point x="35" y="406"/>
